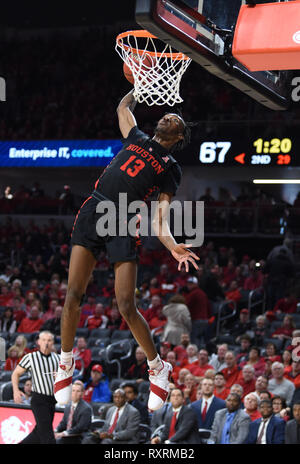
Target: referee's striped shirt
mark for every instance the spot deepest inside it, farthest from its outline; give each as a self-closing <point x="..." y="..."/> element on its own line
<point x="41" y="366"/>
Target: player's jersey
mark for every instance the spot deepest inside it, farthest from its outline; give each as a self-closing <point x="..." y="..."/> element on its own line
<point x="141" y="168"/>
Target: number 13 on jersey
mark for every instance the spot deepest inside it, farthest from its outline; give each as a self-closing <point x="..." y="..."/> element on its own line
<point x="137" y="166"/>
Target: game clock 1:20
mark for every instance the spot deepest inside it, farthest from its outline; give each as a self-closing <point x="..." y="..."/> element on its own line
<point x="265" y="148"/>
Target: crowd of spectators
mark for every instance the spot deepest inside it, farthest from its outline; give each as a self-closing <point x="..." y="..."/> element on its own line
<point x="249" y="351"/>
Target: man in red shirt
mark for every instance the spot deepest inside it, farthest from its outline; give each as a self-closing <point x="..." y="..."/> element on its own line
<point x="197" y="301"/>
<point x="32" y="323"/>
<point x="82" y="354"/>
<point x="203" y="366"/>
<point x="287" y="305"/>
<point x="230" y="372"/>
<point x="251" y="404"/>
<point x="247" y="380"/>
<point x="98" y="319"/>
<point x="221" y="391"/>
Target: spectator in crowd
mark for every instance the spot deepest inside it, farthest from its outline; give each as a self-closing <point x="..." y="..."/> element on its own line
<point x="171" y="358"/>
<point x="98" y="320"/>
<point x="265" y="395"/>
<point x="220" y="390"/>
<point x="287" y="359"/>
<point x="279" y="408"/>
<point x="13" y="357"/>
<point x="97" y="387"/>
<point x="31" y="324"/>
<point x="206" y="407"/>
<point x="131" y="392"/>
<point x="255" y="360"/>
<point x="261" y="384"/>
<point x="192" y="357"/>
<point x="114" y="319"/>
<point x="180" y="349"/>
<point x="251" y="402"/>
<point x="271" y="353"/>
<point x="82" y="355"/>
<point x="197" y="301"/>
<point x="238" y="389"/>
<point x="285" y="332"/>
<point x="280" y="386"/>
<point x="242" y="326"/>
<point x="231" y="424"/>
<point x="217" y="360"/>
<point x="178" y="320"/>
<point x="27" y="390"/>
<point x="53" y="324"/>
<point x="190" y="388"/>
<point x="138" y="370"/>
<point x="202" y="366"/>
<point x="231" y="371"/>
<point x="255" y="279"/>
<point x="268" y="429"/>
<point x="287" y="305"/>
<point x="7" y="321"/>
<point x="180" y="382"/>
<point x="121" y="424"/>
<point x="292" y="429"/>
<point x="76" y="420"/>
<point x="260" y="330"/>
<point x="21" y="343"/>
<point x="246" y="379"/>
<point x="181" y="425"/>
<point x="165" y="348"/>
<point x="294" y="374"/>
<point x="242" y="354"/>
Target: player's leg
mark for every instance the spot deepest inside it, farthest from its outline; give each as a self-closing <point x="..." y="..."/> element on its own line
<point x="159" y="373"/>
<point x="82" y="263"/>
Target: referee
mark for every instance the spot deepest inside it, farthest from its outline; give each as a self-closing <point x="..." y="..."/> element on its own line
<point x="41" y="364"/>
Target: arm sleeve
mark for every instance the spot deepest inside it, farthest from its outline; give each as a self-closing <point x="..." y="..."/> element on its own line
<point x="171" y="180"/>
<point x="189" y="422"/>
<point x="25" y="362"/>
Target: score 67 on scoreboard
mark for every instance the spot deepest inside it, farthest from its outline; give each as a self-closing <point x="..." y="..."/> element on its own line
<point x="257" y="151"/>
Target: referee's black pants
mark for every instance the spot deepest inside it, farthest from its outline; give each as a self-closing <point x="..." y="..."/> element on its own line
<point x="43" y="408"/>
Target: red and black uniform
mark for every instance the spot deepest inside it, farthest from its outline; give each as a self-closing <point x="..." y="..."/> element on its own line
<point x="141" y="168"/>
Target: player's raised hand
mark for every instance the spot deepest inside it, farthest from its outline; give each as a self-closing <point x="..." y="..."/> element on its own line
<point x="183" y="255"/>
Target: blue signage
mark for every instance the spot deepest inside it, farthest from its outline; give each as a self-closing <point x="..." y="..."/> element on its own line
<point x="58" y="153"/>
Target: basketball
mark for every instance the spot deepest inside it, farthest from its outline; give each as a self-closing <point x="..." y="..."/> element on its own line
<point x="147" y="62"/>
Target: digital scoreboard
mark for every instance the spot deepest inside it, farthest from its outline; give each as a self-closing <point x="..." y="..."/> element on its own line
<point x="272" y="151"/>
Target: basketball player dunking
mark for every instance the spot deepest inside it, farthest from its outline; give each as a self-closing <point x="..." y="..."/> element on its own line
<point x="131" y="173"/>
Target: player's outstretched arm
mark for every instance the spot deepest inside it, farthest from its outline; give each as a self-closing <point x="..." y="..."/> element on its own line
<point x="161" y="228"/>
<point x="126" y="118"/>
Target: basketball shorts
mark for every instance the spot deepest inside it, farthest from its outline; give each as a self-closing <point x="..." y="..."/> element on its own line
<point x="84" y="233"/>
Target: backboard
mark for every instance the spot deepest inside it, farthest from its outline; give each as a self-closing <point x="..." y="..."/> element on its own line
<point x="204" y="30"/>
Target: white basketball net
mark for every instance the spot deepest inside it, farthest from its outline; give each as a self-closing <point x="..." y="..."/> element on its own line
<point x="157" y="74"/>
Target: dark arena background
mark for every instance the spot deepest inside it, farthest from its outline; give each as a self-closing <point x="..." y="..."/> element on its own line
<point x="61" y="81"/>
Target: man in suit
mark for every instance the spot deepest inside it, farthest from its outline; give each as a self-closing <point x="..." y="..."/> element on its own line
<point x="181" y="426"/>
<point x="131" y="392"/>
<point x="292" y="429"/>
<point x="231" y="425"/>
<point x="208" y="405"/>
<point x="121" y="424"/>
<point x="76" y="420"/>
<point x="267" y="430"/>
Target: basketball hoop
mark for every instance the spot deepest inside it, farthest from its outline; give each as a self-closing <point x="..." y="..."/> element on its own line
<point x="156" y="72"/>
